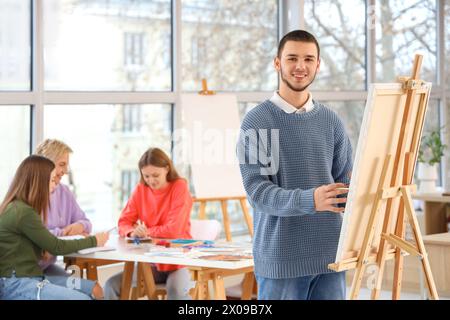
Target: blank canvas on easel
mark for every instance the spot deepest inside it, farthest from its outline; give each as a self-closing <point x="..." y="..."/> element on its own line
<point x="381" y="125"/>
<point x="212" y="124"/>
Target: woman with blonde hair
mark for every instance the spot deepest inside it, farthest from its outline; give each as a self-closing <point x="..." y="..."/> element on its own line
<point x="159" y="207"/>
<point x="65" y="217"/>
<point x="24" y="237"/>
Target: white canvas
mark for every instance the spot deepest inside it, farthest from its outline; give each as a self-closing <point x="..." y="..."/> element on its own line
<point x="212" y="126"/>
<point x="379" y="130"/>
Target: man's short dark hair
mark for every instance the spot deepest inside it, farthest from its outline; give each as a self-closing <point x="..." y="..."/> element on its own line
<point x="298" y="35"/>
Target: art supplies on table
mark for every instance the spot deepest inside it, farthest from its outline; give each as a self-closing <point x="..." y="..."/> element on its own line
<point x="137" y="240"/>
<point x="226" y="257"/>
<point x="184" y="243"/>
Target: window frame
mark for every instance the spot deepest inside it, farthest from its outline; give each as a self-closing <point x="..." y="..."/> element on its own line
<point x="290" y="16"/>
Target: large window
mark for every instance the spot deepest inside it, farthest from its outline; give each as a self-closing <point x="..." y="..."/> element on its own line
<point x="15" y="45"/>
<point x="130" y="178"/>
<point x="14" y="141"/>
<point x="103" y="151"/>
<point x="107" y="45"/>
<point x="107" y="75"/>
<point x="351" y="113"/>
<point x="447" y="44"/>
<point x="342" y="43"/>
<point x="405" y="27"/>
<point x="131" y="118"/>
<point x="230" y="43"/>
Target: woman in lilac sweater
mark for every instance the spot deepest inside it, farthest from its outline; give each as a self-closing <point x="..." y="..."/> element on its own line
<point x="64" y="218"/>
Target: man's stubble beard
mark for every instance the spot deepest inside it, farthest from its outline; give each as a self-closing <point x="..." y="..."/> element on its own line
<point x="292" y="87"/>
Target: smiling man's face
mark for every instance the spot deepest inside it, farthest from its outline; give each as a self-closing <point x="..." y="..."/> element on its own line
<point x="298" y="65"/>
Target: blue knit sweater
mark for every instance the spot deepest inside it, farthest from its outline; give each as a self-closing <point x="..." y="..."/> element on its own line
<point x="295" y="154"/>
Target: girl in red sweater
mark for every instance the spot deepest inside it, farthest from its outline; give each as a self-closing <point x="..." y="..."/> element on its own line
<point x="159" y="207"/>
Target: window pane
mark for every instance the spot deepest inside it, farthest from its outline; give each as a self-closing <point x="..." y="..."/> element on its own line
<point x="105" y="156"/>
<point x="230" y="43"/>
<point x="15" y="54"/>
<point x="432" y="117"/>
<point x="342" y="43"/>
<point x="245" y="107"/>
<point x="351" y="113"/>
<point x="447" y="43"/>
<point x="15" y="138"/>
<point x="446" y="175"/>
<point x="404" y="28"/>
<point x="107" y="45"/>
<point x="432" y="123"/>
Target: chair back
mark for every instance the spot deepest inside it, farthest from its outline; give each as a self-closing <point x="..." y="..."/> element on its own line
<point x="205" y="229"/>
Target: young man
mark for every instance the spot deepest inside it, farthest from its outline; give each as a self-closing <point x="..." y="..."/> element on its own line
<point x="295" y="158"/>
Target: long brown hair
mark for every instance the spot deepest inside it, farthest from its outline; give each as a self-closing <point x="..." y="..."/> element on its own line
<point x="156" y="157"/>
<point x="31" y="185"/>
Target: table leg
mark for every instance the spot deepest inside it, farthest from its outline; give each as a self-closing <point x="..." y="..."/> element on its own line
<point x="127" y="277"/>
<point x="247" y="286"/>
<point x="91" y="271"/>
<point x="149" y="281"/>
<point x="202" y="290"/>
<point x="219" y="287"/>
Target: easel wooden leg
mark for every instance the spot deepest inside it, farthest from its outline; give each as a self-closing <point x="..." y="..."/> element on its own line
<point x="248" y="219"/>
<point x="380" y="262"/>
<point x="400" y="232"/>
<point x="127" y="277"/>
<point x="419" y="241"/>
<point x="365" y="250"/>
<point x="202" y="213"/>
<point x="226" y="219"/>
<point x="398" y="268"/>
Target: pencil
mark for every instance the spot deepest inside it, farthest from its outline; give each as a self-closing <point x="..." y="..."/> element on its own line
<point x="111" y="229"/>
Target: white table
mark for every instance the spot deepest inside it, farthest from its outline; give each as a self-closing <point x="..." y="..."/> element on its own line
<point x="202" y="270"/>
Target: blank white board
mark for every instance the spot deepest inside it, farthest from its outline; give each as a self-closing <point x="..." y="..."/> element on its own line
<point x="211" y="126"/>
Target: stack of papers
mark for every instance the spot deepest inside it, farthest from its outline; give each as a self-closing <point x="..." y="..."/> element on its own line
<point x="75" y="237"/>
<point x="95" y="249"/>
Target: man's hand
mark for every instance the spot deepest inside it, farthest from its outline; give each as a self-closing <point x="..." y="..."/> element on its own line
<point x="325" y="197"/>
<point x="73" y="229"/>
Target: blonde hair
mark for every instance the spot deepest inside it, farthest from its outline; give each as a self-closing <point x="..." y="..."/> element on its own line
<point x="52" y="149"/>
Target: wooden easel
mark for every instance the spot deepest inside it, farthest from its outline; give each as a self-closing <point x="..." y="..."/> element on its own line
<point x="205" y="90"/>
<point x="389" y="188"/>
<point x="223" y="200"/>
<point x="226" y="219"/>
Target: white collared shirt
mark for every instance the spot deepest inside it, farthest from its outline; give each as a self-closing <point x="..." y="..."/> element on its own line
<point x="289" y="108"/>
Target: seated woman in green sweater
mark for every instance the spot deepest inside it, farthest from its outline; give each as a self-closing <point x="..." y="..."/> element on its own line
<point x="24" y="238"/>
